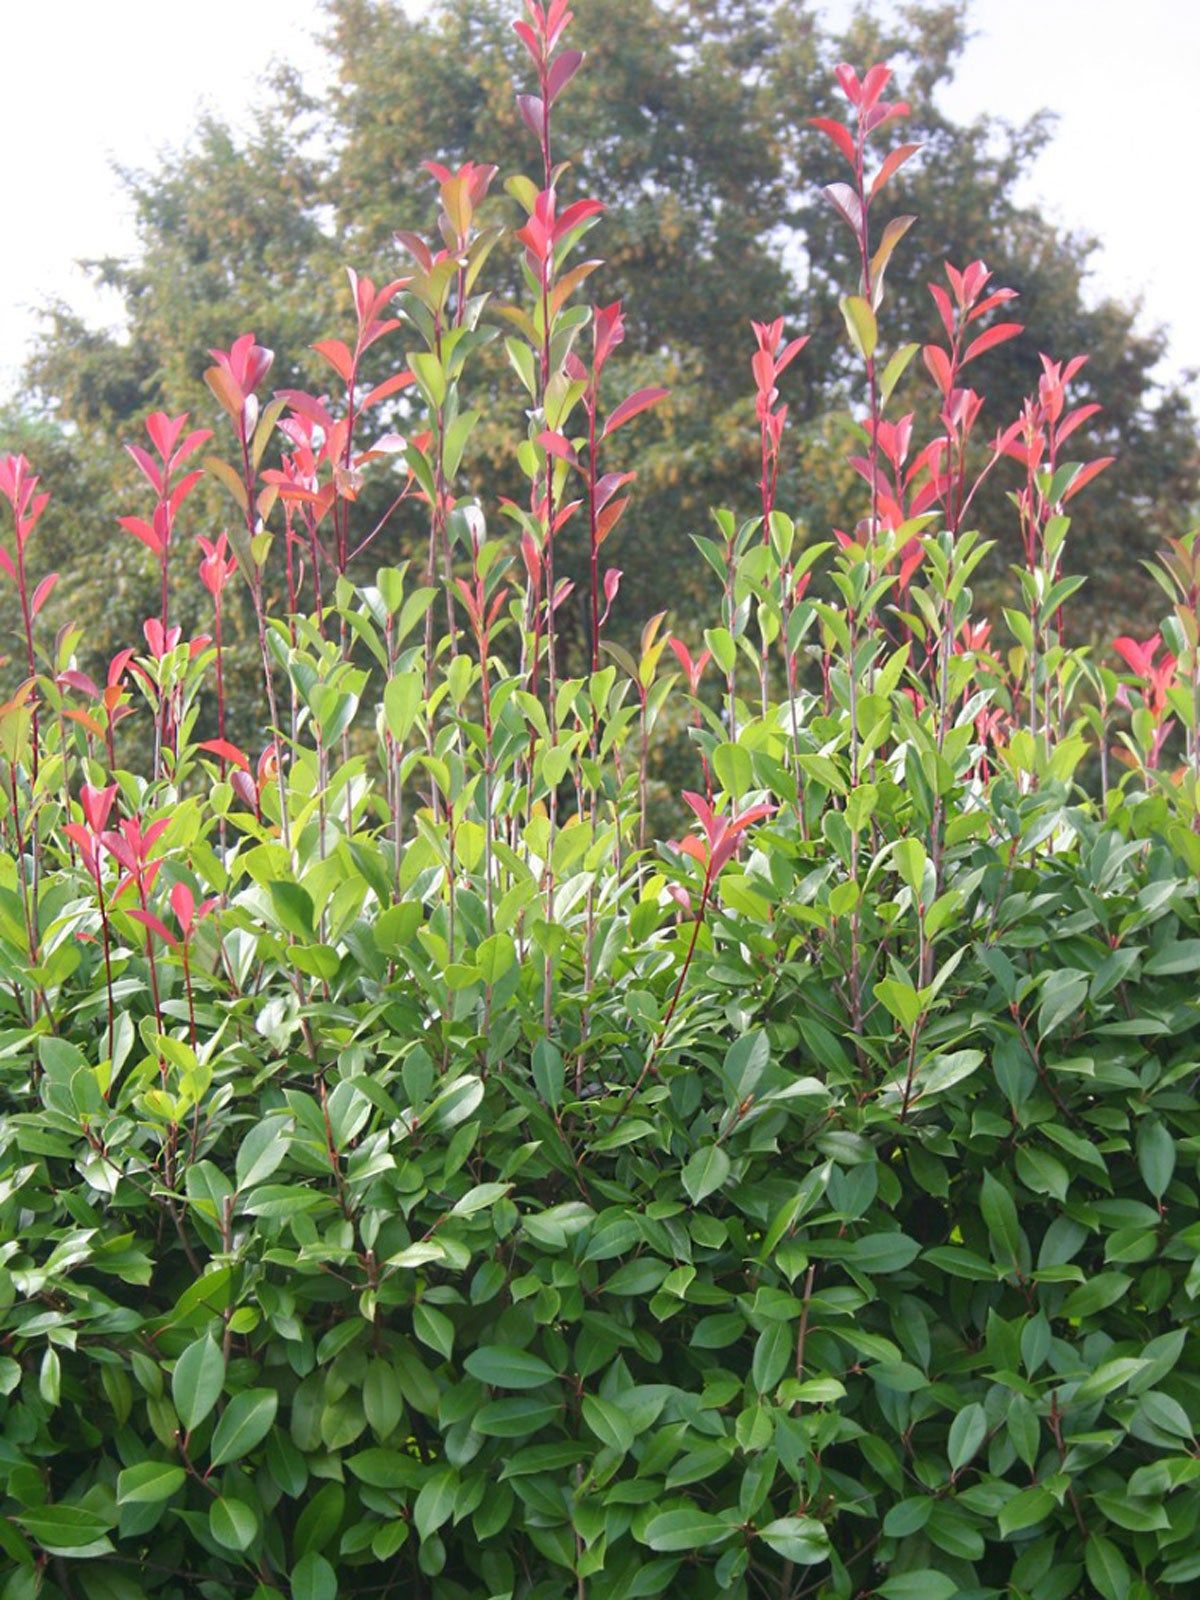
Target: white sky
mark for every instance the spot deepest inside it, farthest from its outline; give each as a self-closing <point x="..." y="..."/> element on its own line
<point x="88" y="84"/>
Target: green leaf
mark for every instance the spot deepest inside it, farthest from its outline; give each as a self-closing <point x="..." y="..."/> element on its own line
<point x="504" y="1366"/>
<point x="479" y="1198"/>
<point x="1156" y="1156"/>
<point x="294" y="908"/>
<point x="1026" y="1510"/>
<point x="197" y="1381"/>
<point x="773" y="1352"/>
<point x="901" y="999"/>
<point x="313" y="1578"/>
<point x="880" y="1252"/>
<point x="402" y="699"/>
<point x="1097" y="1294"/>
<point x="549" y="1073"/>
<point x="608" y="1422"/>
<point x="1063" y="995"/>
<point x="895" y="369"/>
<point x="1138" y="1516"/>
<point x="745" y="1062"/>
<point x="733" y="768"/>
<point x="907" y="1517"/>
<point x="246" y="1422"/>
<point x="515" y="1419"/>
<point x="860" y="324"/>
<point x="705" y="1172"/>
<point x="801" y="1540"/>
<point x="923" y="1585"/>
<point x="1107" y="1377"/>
<point x="435" y="1503"/>
<point x="967" y="1433"/>
<point x="149" y="1482"/>
<point x="1000" y="1217"/>
<point x="1167" y="1414"/>
<point x="686" y="1529"/>
<point x="62" y="1527"/>
<point x="232" y="1523"/>
<point x="1106" y="1567"/>
<point x="1042" y="1172"/>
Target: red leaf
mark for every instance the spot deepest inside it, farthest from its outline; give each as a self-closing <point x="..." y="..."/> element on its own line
<point x="1075" y="419"/>
<point x="846" y="203"/>
<point x="226" y="752"/>
<point x="579" y="211"/>
<point x="564" y="69"/>
<point x="892" y="163"/>
<point x="1085" y="475"/>
<point x="243" y="786"/>
<point x="702" y="809"/>
<point x="43" y="591"/>
<point x="389" y="386"/>
<point x="789" y="352"/>
<point x="183" y="903"/>
<point x="848" y="79"/>
<point x="417" y="249"/>
<point x="149" y="467"/>
<point x="938" y="363"/>
<point x="609" y="517"/>
<point x="607" y="485"/>
<point x="992" y="337"/>
<point x="306" y="406"/>
<point x="875" y="82"/>
<point x="143" y="531"/>
<point x="531" y="109"/>
<point x="194" y="440"/>
<point x="530" y="40"/>
<point x="338" y="357"/>
<point x="999" y="297"/>
<point x="182" y="489"/>
<point x="642" y="400"/>
<point x="839" y="134"/>
<point x="149" y="920"/>
<point x="555" y="444"/>
<point x="945" y="310"/>
<point x="164" y="431"/>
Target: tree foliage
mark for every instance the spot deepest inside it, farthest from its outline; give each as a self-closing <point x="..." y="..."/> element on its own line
<point x="692" y="118"/>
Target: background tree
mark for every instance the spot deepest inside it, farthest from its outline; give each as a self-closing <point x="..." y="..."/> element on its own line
<point x="693" y="120"/>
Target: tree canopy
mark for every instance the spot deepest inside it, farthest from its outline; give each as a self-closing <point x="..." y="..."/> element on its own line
<point x="692" y="120"/>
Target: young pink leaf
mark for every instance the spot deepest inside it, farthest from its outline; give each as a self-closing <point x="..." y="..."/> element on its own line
<point x="150" y="921"/>
<point x="892" y="163"/>
<point x="839" y="134"/>
<point x="629" y="408"/>
<point x="564" y="69"/>
<point x="846" y="203"/>
<point x="183" y="903"/>
<point x="1084" y="476"/>
<point x="143" y="531"/>
<point x="43" y="592"/>
<point x="338" y="357"/>
<point x="989" y="339"/>
<point x="225" y="752"/>
<point x="531" y="108"/>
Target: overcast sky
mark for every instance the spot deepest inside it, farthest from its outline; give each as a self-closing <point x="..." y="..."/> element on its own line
<point x="87" y="85"/>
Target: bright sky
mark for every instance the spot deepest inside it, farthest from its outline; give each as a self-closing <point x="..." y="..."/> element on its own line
<point x="88" y="85"/>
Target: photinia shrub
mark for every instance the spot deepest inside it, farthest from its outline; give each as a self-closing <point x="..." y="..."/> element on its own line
<point x="416" y="1179"/>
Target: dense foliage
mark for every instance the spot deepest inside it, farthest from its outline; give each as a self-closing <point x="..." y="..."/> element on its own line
<point x="415" y="1177"/>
